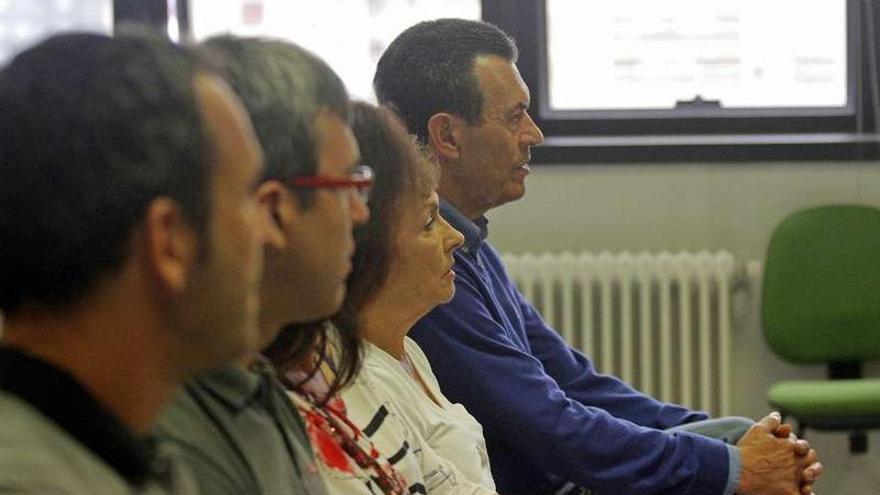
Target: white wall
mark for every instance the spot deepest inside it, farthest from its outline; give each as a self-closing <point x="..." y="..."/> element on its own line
<point x="692" y="207"/>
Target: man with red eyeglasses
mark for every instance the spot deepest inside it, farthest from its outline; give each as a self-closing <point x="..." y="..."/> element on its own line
<point x="235" y="427"/>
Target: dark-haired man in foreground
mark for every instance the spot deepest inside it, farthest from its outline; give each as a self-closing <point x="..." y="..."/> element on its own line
<point x="552" y="424"/>
<point x="131" y="241"/>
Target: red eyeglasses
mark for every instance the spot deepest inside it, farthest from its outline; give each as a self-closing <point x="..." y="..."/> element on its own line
<point x="360" y="181"/>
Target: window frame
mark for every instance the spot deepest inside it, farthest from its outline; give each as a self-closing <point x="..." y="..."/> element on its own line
<point x="152" y="14"/>
<point x="686" y="137"/>
<point x="700" y="134"/>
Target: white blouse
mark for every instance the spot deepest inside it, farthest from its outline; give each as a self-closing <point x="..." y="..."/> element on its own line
<point x="447" y="429"/>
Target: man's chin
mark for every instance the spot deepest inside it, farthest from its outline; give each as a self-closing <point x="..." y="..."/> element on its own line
<point x="337" y="303"/>
<point x="329" y="306"/>
<point x="514" y="192"/>
<point x="316" y="308"/>
<point x="266" y="337"/>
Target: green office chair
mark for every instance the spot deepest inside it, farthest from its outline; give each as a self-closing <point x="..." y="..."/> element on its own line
<point x="821" y="304"/>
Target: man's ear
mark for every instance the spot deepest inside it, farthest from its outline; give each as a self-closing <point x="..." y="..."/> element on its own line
<point x="273" y="199"/>
<point x="444" y="136"/>
<point x="172" y="244"/>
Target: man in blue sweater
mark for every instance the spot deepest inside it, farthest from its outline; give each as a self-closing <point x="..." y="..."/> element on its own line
<point x="552" y="423"/>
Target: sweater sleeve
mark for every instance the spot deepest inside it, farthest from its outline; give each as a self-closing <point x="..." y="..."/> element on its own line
<point x="577" y="378"/>
<point x="518" y="387"/>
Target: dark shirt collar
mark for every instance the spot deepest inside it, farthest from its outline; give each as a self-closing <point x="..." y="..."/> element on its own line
<point x="234" y="386"/>
<point x="474" y="231"/>
<point x="64" y="401"/>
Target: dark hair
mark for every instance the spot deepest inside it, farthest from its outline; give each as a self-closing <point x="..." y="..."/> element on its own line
<point x="428" y="69"/>
<point x="402" y="173"/>
<point x="92" y="129"/>
<point x="284" y="87"/>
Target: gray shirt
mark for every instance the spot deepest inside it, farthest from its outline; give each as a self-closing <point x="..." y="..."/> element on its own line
<point x="239" y="434"/>
<point x="56" y="439"/>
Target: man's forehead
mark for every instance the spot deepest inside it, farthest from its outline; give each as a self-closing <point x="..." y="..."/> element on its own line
<point x="500" y="81"/>
<point x="229" y="127"/>
<point x="338" y="151"/>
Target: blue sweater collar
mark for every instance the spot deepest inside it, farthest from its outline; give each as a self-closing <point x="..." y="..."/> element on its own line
<point x="474" y="231"/>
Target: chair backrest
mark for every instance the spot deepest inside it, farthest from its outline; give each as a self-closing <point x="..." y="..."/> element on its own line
<point x="821" y="293"/>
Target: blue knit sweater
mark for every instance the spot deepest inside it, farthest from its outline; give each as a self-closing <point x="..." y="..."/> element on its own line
<point x="548" y="416"/>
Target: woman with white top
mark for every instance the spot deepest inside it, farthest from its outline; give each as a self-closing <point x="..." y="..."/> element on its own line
<point x="401" y="269"/>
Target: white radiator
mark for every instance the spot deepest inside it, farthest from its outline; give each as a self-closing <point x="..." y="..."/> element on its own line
<point x="661" y="322"/>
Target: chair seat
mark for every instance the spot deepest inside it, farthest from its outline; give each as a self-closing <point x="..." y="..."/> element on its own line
<point x="830" y="399"/>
